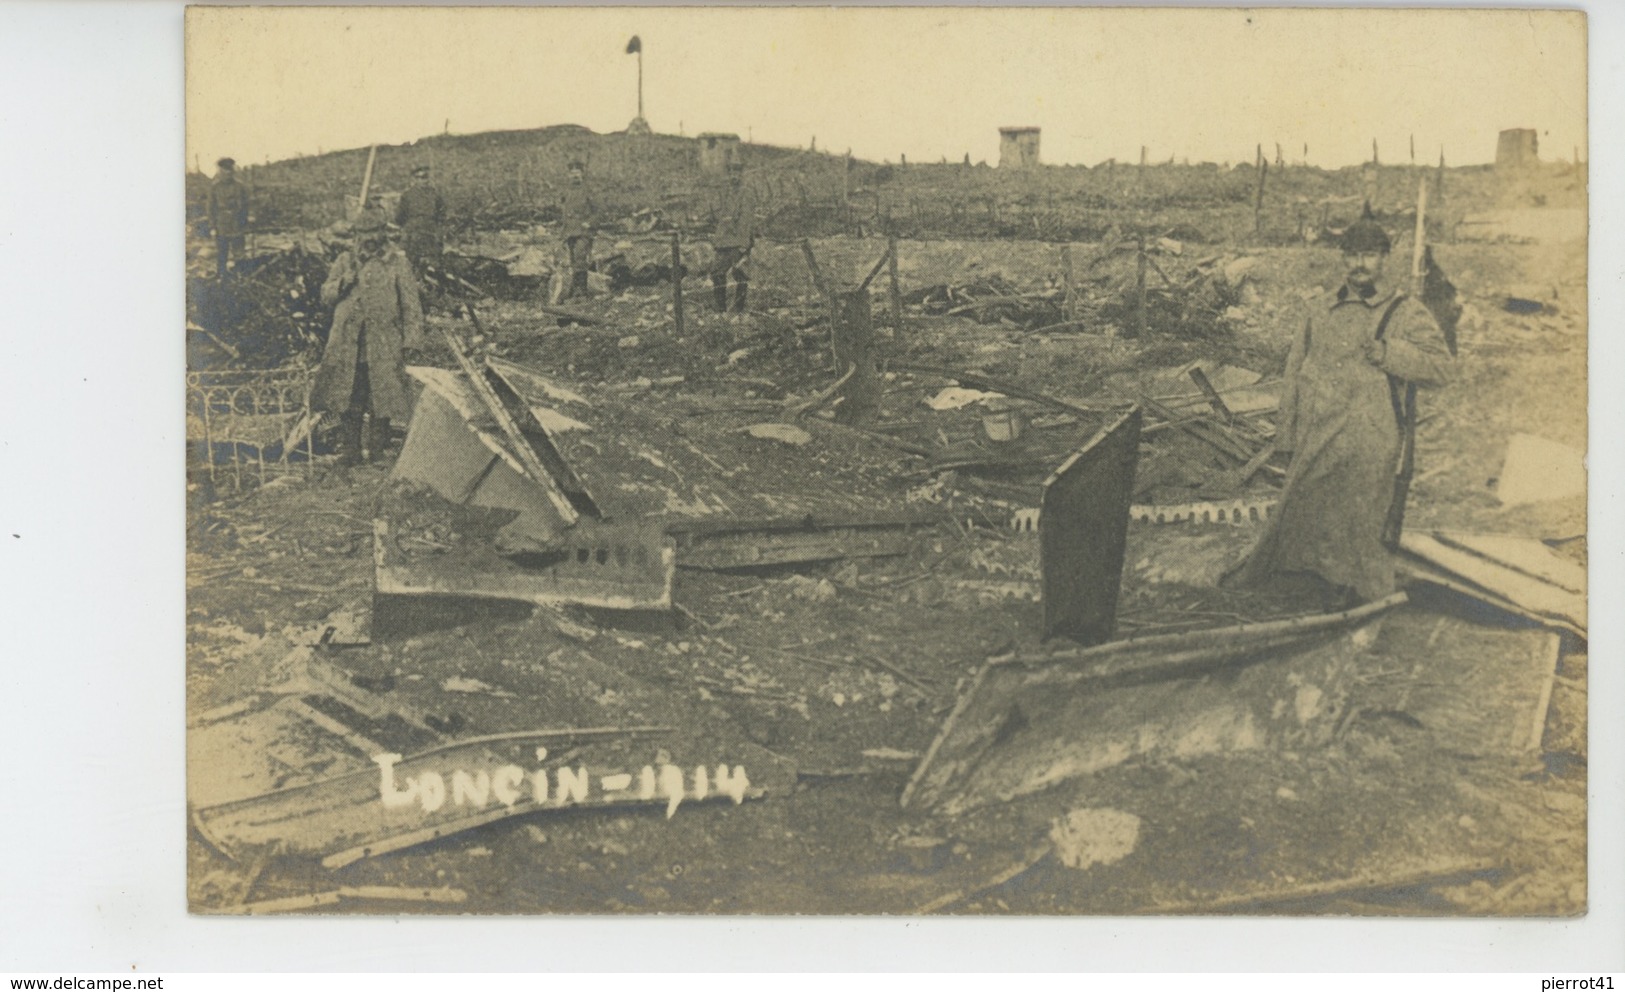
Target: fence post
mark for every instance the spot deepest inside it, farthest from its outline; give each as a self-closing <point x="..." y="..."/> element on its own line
<point x="677" y="283"/>
<point x="891" y="267"/>
<point x="1258" y="201"/>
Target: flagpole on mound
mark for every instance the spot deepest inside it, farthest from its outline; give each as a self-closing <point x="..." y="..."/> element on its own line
<point x="635" y="47"/>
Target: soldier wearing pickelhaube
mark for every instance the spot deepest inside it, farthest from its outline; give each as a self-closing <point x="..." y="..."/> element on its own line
<point x="1359" y="353"/>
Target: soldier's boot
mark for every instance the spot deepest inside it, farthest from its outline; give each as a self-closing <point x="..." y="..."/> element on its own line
<point x="350" y="439"/>
<point x="377" y="439"/>
<point x="719" y="292"/>
<point x="741" y="291"/>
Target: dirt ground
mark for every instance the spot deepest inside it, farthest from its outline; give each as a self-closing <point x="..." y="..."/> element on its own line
<point x="1415" y="805"/>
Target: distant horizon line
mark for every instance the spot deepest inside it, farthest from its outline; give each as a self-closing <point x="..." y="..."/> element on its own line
<point x="1182" y="161"/>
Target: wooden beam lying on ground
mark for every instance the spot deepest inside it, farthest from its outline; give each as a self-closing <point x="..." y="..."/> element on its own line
<point x="1521" y="576"/>
<point x="1031" y="720"/>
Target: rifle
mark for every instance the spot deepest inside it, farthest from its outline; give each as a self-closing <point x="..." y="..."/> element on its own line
<point x="1402" y="393"/>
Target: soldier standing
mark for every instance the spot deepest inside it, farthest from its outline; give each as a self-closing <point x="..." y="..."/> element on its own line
<point x="577" y="218"/>
<point x="1343" y="422"/>
<point x="228" y="213"/>
<point x="376" y="317"/>
<point x="421" y="216"/>
<point x="735" y="219"/>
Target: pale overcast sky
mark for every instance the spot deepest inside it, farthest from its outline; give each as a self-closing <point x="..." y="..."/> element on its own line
<point x="925" y="82"/>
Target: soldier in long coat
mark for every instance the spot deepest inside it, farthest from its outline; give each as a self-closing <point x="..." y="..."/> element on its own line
<point x="228" y="213"/>
<point x="735" y="217"/>
<point x="1341" y="421"/>
<point x="377" y="315"/>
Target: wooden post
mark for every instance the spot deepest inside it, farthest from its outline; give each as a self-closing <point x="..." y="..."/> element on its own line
<point x="366" y="180"/>
<point x="896" y="293"/>
<point x="1413" y="149"/>
<point x="1374" y="159"/>
<point x="1139" y="290"/>
<point x="824" y="290"/>
<point x="677" y="283"/>
<point x="1258" y="200"/>
<point x="854" y="349"/>
<point x="1438" y="179"/>
<point x="1420" y="244"/>
<point x="1067" y="276"/>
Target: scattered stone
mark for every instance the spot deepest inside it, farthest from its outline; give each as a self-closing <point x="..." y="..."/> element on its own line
<point x="1087" y="837"/>
<point x="783" y="433"/>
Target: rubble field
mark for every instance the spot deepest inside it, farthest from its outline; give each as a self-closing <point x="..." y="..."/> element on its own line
<point x="1441" y="771"/>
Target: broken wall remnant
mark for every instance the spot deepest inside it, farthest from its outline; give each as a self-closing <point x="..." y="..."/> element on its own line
<point x="1032" y="721"/>
<point x="1083" y="533"/>
<point x="1517" y="148"/>
<point x="717" y="150"/>
<point x="1018" y="147"/>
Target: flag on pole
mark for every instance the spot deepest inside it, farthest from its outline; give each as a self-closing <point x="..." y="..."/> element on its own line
<point x="634" y="46"/>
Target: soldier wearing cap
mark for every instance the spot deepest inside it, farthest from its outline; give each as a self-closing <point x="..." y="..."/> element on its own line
<point x="1341" y="420"/>
<point x="228" y="213"/>
<point x="577" y="219"/>
<point x="421" y="215"/>
<point x="376" y="316"/>
<point x="734" y="215"/>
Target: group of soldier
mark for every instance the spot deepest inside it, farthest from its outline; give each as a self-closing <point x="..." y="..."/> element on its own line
<point x="375" y="289"/>
<point x="1347" y="411"/>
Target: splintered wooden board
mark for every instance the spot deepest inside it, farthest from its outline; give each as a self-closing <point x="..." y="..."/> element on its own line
<point x="639" y="461"/>
<point x="1523" y="573"/>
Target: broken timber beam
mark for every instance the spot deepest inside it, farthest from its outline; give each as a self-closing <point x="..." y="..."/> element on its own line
<point x="1031" y="720"/>
<point x="528" y="458"/>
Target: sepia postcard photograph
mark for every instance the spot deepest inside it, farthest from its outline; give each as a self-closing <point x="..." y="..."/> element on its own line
<point x="885" y="461"/>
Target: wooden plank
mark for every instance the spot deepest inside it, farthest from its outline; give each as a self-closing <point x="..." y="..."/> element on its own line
<point x="528" y="459"/>
<point x="360" y="742"/>
<point x="1400" y="877"/>
<point x="1549" y="654"/>
<point x="1534" y="594"/>
<point x="1521" y="554"/>
<point x="1083" y="533"/>
<point x="1212" y="396"/>
<point x="377" y="893"/>
<point x="756" y="549"/>
<point x="1423" y="570"/>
